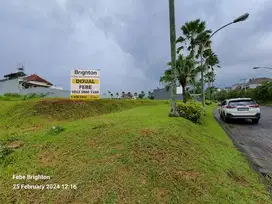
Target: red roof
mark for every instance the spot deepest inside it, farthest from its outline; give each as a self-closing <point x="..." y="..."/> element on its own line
<point x="34" y="77"/>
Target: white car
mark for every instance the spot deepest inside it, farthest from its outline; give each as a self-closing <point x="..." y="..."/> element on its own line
<point x="240" y="108"/>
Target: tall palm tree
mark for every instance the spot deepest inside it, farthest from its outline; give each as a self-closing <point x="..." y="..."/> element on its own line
<point x="194" y="34"/>
<point x="173" y="110"/>
<point x="186" y="71"/>
<point x="117" y="95"/>
<point x="123" y="94"/>
<point x="109" y="92"/>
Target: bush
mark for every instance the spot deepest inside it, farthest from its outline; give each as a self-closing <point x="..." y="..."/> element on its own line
<point x="191" y="111"/>
<point x="56" y="130"/>
<point x="207" y="102"/>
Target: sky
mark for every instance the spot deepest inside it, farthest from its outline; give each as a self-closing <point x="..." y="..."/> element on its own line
<point x="128" y="40"/>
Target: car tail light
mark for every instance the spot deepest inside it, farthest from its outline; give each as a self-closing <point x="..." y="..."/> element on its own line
<point x="255" y="106"/>
<point x="230" y="107"/>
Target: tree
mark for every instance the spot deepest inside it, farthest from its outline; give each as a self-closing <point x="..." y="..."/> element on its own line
<point x="109" y="92"/>
<point x="186" y="71"/>
<point x="194" y="34"/>
<point x="123" y="94"/>
<point x="150" y="95"/>
<point x="135" y="95"/>
<point x="194" y="40"/>
<point x="141" y="95"/>
<point x="173" y="110"/>
<point x="117" y="95"/>
<point x="129" y="95"/>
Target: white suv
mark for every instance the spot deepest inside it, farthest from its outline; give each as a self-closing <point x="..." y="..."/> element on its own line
<point x="240" y="108"/>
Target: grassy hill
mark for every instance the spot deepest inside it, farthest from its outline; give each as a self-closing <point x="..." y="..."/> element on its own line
<point x="120" y="152"/>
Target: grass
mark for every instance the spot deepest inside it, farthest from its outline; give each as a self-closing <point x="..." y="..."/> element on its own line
<point x="134" y="155"/>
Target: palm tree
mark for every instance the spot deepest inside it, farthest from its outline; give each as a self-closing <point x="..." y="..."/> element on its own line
<point x="211" y="60"/>
<point x="194" y="34"/>
<point x="123" y="94"/>
<point x="117" y="95"/>
<point x="186" y="71"/>
<point x="129" y="95"/>
<point x="173" y="110"/>
<point x="135" y="94"/>
<point x="109" y="92"/>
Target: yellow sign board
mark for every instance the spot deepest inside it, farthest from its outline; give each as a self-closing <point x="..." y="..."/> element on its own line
<point x="85" y="84"/>
<point x="85" y="81"/>
<point x="84" y="97"/>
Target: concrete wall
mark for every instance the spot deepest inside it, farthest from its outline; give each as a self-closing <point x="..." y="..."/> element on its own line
<point x="12" y="86"/>
<point x="253" y="86"/>
<point x="162" y="94"/>
<point x="52" y="93"/>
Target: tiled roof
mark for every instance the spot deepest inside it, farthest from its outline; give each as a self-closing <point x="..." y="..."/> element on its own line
<point x="34" y="77"/>
<point x="259" y="80"/>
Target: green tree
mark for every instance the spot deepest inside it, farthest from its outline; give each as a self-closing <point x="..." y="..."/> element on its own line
<point x="150" y="95"/>
<point x="194" y="34"/>
<point x="141" y="95"/>
<point x="186" y="71"/>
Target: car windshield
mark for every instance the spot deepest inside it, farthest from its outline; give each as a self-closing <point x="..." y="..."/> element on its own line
<point x="242" y="103"/>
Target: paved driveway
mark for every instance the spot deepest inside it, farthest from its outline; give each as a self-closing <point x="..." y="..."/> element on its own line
<point x="254" y="139"/>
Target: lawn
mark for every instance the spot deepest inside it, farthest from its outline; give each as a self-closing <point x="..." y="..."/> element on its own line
<point x="121" y="152"/>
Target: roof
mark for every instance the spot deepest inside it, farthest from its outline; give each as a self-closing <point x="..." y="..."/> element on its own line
<point x="237" y="84"/>
<point x="35" y="77"/>
<point x="259" y="80"/>
<point x="15" y="75"/>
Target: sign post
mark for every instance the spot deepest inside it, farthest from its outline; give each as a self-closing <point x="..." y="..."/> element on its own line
<point x="85" y="84"/>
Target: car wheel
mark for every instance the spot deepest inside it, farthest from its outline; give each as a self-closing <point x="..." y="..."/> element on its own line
<point x="226" y="120"/>
<point x="255" y="121"/>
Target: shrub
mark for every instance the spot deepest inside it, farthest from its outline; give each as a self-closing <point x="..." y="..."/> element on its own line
<point x="56" y="130"/>
<point x="191" y="111"/>
<point x="4" y="152"/>
<point x="208" y="102"/>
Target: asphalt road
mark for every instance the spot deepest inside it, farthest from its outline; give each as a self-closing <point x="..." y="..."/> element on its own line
<point x="255" y="140"/>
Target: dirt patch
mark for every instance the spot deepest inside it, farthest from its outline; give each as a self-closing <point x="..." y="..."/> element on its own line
<point x="185" y="174"/>
<point x="91" y="143"/>
<point x="111" y="158"/>
<point x="146" y="132"/>
<point x="118" y="146"/>
<point x="161" y="195"/>
<point x="48" y="158"/>
<point x="15" y="144"/>
<point x="159" y="155"/>
<point x="237" y="178"/>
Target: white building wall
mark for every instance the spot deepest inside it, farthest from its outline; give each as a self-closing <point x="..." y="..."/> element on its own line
<point x="10" y="86"/>
<point x="13" y="86"/>
<point x="253" y="86"/>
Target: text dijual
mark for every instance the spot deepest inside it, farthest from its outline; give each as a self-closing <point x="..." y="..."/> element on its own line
<point x="30" y="177"/>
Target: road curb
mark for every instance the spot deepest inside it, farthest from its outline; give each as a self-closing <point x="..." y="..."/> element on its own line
<point x="253" y="164"/>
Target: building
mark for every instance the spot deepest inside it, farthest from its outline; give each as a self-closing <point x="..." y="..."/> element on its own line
<point x="163" y="94"/>
<point x="237" y="86"/>
<point x="255" y="82"/>
<point x="20" y="83"/>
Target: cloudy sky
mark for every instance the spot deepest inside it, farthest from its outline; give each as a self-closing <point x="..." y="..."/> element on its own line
<point x="128" y="40"/>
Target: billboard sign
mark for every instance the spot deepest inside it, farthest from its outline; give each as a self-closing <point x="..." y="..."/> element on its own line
<point x="85" y="84"/>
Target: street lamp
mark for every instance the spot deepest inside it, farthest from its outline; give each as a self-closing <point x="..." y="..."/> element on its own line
<point x="262" y="68"/>
<point x="239" y="19"/>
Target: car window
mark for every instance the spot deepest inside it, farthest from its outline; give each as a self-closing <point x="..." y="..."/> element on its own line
<point x="242" y="103"/>
<point x="224" y="103"/>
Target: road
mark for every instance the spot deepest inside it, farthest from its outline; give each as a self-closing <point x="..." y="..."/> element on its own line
<point x="255" y="140"/>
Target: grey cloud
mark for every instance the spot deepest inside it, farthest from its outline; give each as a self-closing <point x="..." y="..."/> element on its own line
<point x="127" y="39"/>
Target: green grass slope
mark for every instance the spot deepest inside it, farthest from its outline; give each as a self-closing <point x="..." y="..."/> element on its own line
<point x="137" y="155"/>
